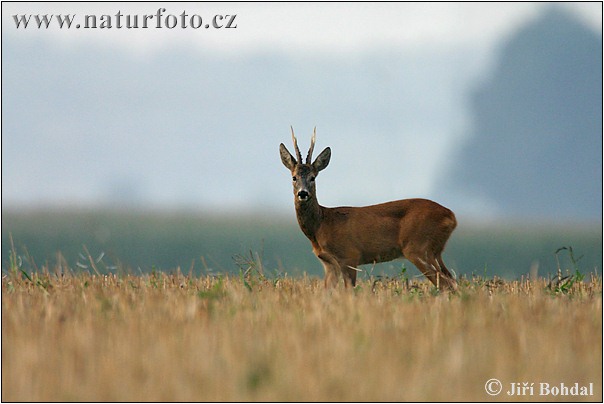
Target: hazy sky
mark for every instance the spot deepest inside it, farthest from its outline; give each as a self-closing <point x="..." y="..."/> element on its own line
<point x="411" y="64"/>
<point x="298" y="27"/>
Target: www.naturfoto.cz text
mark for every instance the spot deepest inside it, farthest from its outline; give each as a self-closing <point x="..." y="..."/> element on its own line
<point x="159" y="20"/>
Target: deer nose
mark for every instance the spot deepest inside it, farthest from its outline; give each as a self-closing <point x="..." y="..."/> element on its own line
<point x="303" y="195"/>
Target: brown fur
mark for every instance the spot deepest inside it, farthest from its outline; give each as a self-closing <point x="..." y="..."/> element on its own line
<point x="345" y="237"/>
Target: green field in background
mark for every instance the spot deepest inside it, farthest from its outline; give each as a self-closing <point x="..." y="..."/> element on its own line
<point x="144" y="241"/>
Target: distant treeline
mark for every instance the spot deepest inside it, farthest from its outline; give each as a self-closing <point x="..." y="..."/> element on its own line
<point x="135" y="242"/>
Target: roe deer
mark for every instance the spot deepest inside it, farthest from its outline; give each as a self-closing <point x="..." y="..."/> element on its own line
<point x="345" y="237"/>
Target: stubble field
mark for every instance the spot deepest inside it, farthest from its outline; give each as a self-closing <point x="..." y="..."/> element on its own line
<point x="172" y="337"/>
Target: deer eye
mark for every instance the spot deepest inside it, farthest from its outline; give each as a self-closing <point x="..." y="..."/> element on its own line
<point x="312" y="179"/>
<point x="294" y="179"/>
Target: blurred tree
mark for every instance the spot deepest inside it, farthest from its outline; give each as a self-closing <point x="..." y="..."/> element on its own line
<point x="536" y="144"/>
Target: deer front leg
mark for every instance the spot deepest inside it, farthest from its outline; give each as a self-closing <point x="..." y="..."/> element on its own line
<point x="349" y="272"/>
<point x="332" y="270"/>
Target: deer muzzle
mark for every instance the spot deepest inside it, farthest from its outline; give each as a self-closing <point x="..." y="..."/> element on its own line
<point x="303" y="195"/>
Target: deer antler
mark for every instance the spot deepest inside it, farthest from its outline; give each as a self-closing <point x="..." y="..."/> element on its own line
<point x="298" y="154"/>
<point x="312" y="146"/>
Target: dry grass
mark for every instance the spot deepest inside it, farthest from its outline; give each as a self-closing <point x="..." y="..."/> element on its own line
<point x="176" y="338"/>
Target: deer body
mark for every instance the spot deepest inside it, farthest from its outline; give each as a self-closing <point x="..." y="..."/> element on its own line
<point x="345" y="237"/>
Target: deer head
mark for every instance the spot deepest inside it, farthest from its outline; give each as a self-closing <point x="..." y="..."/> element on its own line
<point x="304" y="173"/>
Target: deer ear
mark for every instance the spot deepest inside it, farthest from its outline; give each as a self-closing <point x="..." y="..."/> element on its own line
<point x="286" y="157"/>
<point x="322" y="159"/>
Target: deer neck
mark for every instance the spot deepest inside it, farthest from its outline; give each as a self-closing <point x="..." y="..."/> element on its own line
<point x="310" y="215"/>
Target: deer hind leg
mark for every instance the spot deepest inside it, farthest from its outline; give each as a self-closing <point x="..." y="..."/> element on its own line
<point x="450" y="281"/>
<point x="431" y="267"/>
<point x="447" y="279"/>
<point x="428" y="270"/>
<point x="443" y="267"/>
